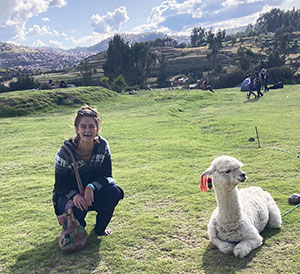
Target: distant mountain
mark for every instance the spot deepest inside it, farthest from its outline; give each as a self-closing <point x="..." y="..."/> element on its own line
<point x="235" y="30"/>
<point x="134" y="38"/>
<point x="148" y="36"/>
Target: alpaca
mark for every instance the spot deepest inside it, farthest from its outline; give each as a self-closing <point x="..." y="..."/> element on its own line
<point x="240" y="215"/>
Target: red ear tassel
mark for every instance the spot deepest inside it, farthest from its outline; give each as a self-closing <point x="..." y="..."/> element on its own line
<point x="201" y="183"/>
<point x="205" y="183"/>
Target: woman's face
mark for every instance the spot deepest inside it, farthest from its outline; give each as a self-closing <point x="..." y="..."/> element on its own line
<point x="87" y="129"/>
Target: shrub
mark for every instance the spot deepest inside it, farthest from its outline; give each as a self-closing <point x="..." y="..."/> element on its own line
<point x="228" y="80"/>
<point x="104" y="82"/>
<point x="283" y="74"/>
<point x="119" y="84"/>
<point x="24" y="82"/>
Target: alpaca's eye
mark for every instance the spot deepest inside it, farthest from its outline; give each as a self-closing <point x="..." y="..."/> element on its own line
<point x="227" y="171"/>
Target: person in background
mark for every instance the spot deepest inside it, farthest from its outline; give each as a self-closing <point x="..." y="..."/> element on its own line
<point x="63" y="84"/>
<point x="257" y="81"/>
<point x="265" y="78"/>
<point x="251" y="86"/>
<point x="93" y="158"/>
<point x="205" y="85"/>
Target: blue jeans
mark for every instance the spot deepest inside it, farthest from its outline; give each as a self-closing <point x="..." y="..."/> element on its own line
<point x="104" y="204"/>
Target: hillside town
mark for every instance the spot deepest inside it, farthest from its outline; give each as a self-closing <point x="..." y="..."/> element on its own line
<point x="20" y="60"/>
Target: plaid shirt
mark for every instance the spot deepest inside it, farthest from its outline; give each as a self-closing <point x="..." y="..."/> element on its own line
<point x="97" y="171"/>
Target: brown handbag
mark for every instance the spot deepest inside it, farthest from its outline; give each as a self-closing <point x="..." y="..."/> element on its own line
<point x="73" y="236"/>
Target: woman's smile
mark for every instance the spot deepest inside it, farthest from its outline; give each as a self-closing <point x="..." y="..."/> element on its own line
<point x="87" y="129"/>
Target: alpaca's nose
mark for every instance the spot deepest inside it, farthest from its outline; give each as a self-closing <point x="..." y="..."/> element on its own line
<point x="243" y="176"/>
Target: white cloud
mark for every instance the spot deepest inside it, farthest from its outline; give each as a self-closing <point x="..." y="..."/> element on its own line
<point x="44" y="30"/>
<point x="109" y="22"/>
<point x="13" y="42"/>
<point x="15" y="13"/>
<point x="38" y="44"/>
<point x="55" y="32"/>
<point x="173" y="7"/>
<point x="46" y="19"/>
<point x="88" y="40"/>
<point x="289" y="4"/>
<point x="237" y="22"/>
<point x="181" y="15"/>
<point x="56" y="44"/>
<point x="150" y="27"/>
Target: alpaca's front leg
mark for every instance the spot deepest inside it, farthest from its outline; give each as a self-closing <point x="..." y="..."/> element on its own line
<point x="243" y="248"/>
<point x="224" y="247"/>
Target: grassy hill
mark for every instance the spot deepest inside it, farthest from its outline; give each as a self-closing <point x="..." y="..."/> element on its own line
<point x="20" y="103"/>
<point x="161" y="141"/>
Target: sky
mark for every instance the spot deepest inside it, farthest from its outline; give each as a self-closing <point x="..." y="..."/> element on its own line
<point x="82" y="23"/>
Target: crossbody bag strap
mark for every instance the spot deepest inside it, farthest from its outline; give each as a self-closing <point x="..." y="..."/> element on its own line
<point x="78" y="179"/>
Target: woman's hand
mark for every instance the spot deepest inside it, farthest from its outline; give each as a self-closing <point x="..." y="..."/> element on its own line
<point x="80" y="202"/>
<point x="89" y="195"/>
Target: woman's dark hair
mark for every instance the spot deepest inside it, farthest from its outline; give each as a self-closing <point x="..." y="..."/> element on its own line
<point x="86" y="111"/>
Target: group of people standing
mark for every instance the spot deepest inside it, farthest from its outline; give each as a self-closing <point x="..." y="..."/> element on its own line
<point x="257" y="82"/>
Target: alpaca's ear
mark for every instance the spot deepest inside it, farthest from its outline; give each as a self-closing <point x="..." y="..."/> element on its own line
<point x="208" y="172"/>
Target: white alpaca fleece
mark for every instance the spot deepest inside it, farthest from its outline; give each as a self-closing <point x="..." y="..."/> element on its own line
<point x="240" y="215"/>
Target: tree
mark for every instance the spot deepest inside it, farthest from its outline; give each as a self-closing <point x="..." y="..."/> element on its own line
<point x="211" y="39"/>
<point x="117" y="62"/>
<point x="220" y="36"/>
<point x="269" y="21"/>
<point x="162" y="42"/>
<point x="282" y="41"/>
<point x="215" y="40"/>
<point x="198" y="37"/>
<point x="162" y="78"/>
<point x="246" y="57"/>
<point x="274" y="59"/>
<point x="141" y="61"/>
<point x="215" y="44"/>
<point x="250" y="30"/>
<point x="275" y="19"/>
<point x="86" y="77"/>
<point x="133" y="63"/>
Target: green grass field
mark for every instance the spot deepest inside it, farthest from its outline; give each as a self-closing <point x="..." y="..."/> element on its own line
<point x="161" y="141"/>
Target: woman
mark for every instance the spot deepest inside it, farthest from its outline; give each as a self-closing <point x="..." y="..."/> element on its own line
<point x="251" y="86"/>
<point x="93" y="158"/>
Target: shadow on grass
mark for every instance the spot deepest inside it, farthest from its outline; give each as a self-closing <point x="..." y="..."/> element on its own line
<point x="216" y="262"/>
<point x="252" y="100"/>
<point x="48" y="258"/>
